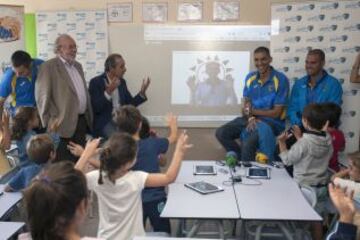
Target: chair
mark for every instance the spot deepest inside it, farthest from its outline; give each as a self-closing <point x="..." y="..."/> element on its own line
<point x="309" y="195"/>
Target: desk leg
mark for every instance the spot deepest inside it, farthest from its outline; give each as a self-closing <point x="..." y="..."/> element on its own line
<point x="180" y="227"/>
<point x="194" y="228"/>
<point x="285" y="231"/>
<point x="221" y="229"/>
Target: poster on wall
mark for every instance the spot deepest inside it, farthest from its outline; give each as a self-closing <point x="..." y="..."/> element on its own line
<point x="11" y="33"/>
<point x="119" y="12"/>
<point x="89" y="30"/>
<point x="333" y="27"/>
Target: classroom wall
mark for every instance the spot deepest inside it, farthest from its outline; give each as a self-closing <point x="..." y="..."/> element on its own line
<point x="251" y="12"/>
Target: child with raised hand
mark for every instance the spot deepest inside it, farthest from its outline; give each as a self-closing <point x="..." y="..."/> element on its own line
<point x="26" y="119"/>
<point x="61" y="191"/>
<point x="40" y="150"/>
<point x="350" y="177"/>
<point x="119" y="188"/>
<point x="128" y="119"/>
<point x="343" y="201"/>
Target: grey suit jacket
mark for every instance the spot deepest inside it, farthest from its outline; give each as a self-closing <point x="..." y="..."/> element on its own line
<point x="56" y="97"/>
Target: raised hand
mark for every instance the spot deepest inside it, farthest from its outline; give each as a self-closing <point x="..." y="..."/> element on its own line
<point x="144" y="86"/>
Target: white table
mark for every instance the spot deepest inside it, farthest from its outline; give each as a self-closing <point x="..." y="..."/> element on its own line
<point x="186" y="173"/>
<point x="8" y="201"/>
<point x="9" y="229"/>
<point x="278" y="198"/>
<point x="162" y="238"/>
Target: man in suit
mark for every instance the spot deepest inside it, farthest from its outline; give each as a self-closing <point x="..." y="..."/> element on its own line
<point x="61" y="95"/>
<point x="108" y="91"/>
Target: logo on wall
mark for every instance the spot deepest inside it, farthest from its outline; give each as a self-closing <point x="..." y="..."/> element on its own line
<point x="351" y="92"/>
<point x="89" y="26"/>
<point x="316" y="18"/>
<point x="282" y="50"/>
<point x="100" y="55"/>
<point x="90" y="65"/>
<point x="80" y="16"/>
<point x="285" y="69"/>
<point x="341" y="80"/>
<point x="351" y="50"/>
<point x="61" y="17"/>
<point x="308" y="7"/>
<point x="349" y="135"/>
<point x="80" y="36"/>
<point x="291" y="60"/>
<point x="339" y="60"/>
<point x="308" y="28"/>
<point x="303" y="49"/>
<point x="330" y="28"/>
<point x="341" y="17"/>
<point x="41" y="17"/>
<point x="51" y="27"/>
<point x="70" y="27"/>
<point x="330" y="6"/>
<point x="315" y="39"/>
<point x="285" y="29"/>
<point x="90" y="45"/>
<point x="292" y="39"/>
<point x="352" y="28"/>
<point x="100" y="35"/>
<point x="329" y="49"/>
<point x="349" y="114"/>
<point x="346" y="71"/>
<point x="43" y="37"/>
<point x="330" y="70"/>
<point x="43" y="55"/>
<point x="353" y="5"/>
<point x="81" y="55"/>
<point x="342" y="38"/>
<point x="301" y="71"/>
<point x="286" y="8"/>
<point x="294" y="19"/>
<point x="99" y="16"/>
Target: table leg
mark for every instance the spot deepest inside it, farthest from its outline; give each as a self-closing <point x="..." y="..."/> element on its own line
<point x="194" y="228"/>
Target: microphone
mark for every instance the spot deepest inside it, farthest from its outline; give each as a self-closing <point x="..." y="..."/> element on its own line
<point x="231" y="159"/>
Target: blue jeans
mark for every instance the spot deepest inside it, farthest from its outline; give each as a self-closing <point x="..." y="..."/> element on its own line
<point x="228" y="133"/>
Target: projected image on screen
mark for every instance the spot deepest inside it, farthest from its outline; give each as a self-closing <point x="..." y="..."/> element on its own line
<point x="208" y="78"/>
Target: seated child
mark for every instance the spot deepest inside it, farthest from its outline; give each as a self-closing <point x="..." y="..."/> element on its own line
<point x="310" y="156"/>
<point x="56" y="203"/>
<point x="26" y="119"/>
<point x="119" y="188"/>
<point x="129" y="120"/>
<point x="338" y="140"/>
<point x="40" y="150"/>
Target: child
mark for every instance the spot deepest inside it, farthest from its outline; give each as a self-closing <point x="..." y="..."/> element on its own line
<point x="338" y="140"/>
<point x="345" y="228"/>
<point x="349" y="179"/>
<point x="56" y="203"/>
<point x="5" y="142"/>
<point x="129" y="120"/>
<point x="26" y="119"/>
<point x="119" y="188"/>
<point x="40" y="150"/>
<point x="310" y="156"/>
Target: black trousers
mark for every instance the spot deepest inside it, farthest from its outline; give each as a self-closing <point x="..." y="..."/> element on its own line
<point x="79" y="137"/>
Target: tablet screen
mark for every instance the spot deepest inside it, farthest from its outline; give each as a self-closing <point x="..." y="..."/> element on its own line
<point x="204" y="169"/>
<point x="204" y="186"/>
<point x="258" y="172"/>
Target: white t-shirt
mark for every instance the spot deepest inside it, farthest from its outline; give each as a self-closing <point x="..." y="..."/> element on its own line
<point x="120" y="205"/>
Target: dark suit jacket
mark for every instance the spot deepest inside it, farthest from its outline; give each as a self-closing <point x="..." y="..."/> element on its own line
<point x="103" y="107"/>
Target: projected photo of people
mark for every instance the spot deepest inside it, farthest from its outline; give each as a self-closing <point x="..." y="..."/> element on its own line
<point x="209" y="79"/>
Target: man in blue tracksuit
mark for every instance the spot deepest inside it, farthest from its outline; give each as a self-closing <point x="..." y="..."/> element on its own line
<point x="316" y="87"/>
